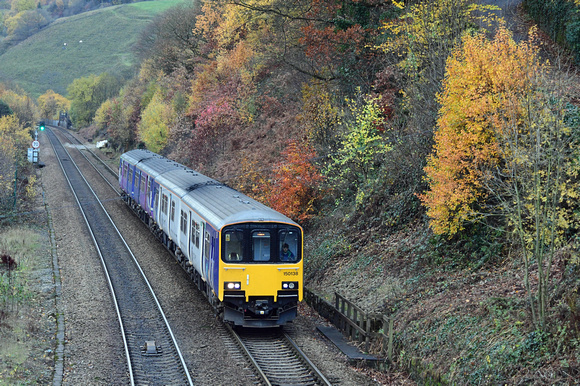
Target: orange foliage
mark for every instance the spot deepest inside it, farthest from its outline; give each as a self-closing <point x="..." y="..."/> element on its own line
<point x="328" y="44"/>
<point x="484" y="82"/>
<point x="252" y="180"/>
<point x="294" y="186"/>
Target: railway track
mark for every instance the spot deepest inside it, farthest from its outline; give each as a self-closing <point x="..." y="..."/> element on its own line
<point x="276" y="358"/>
<point x="101" y="167"/>
<point x="152" y="354"/>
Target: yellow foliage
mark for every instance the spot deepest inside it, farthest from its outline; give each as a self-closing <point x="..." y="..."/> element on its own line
<point x="483" y="87"/>
<point x="13" y="137"/>
<point x="155" y="123"/>
<point x="319" y="115"/>
<point x="51" y="104"/>
<point x="428" y="30"/>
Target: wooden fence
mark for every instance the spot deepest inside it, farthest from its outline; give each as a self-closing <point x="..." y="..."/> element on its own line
<point x="354" y="323"/>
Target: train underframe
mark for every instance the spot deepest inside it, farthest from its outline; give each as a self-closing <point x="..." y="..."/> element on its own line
<point x="259" y="311"/>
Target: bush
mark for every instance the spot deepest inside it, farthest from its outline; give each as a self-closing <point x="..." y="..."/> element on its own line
<point x="560" y="19"/>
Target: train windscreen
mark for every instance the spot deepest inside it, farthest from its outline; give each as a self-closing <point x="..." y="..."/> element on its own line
<point x="261" y="243"/>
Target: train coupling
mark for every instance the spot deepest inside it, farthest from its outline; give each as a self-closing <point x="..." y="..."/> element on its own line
<point x="261" y="307"/>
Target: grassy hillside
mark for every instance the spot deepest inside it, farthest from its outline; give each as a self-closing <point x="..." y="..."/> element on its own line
<point x="93" y="42"/>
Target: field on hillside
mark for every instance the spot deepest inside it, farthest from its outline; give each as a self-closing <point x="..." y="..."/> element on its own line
<point x="90" y="43"/>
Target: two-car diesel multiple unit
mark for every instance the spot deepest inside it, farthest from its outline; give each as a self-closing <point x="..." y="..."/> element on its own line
<point x="246" y="257"/>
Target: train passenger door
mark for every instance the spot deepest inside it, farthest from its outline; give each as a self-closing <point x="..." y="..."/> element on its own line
<point x="130" y="181"/>
<point x="206" y="253"/>
<point x="155" y="201"/>
<point x="121" y="170"/>
<point x="147" y="199"/>
<point x="171" y="223"/>
<point x="195" y="242"/>
<point x="183" y="230"/>
<point x="163" y="214"/>
<point x="137" y="183"/>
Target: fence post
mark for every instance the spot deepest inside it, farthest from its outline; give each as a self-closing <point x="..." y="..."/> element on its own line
<point x="389" y="331"/>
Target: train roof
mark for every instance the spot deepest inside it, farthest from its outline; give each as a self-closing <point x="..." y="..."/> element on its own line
<point x="216" y="202"/>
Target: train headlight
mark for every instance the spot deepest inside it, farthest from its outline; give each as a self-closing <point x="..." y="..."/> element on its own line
<point x="232" y="285"/>
<point x="290" y="285"/>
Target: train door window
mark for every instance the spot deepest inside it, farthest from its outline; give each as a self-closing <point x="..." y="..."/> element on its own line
<point x="130" y="180"/>
<point x="289" y="242"/>
<point x="143" y="179"/>
<point x="207" y="245"/>
<point x="195" y="233"/>
<point x="233" y="245"/>
<point x="156" y="199"/>
<point x="261" y="245"/>
<point x="164" y="204"/>
<point x="183" y="223"/>
<point x="137" y="180"/>
<point x="172" y="211"/>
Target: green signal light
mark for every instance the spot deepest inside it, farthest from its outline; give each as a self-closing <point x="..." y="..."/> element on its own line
<point x="41" y="128"/>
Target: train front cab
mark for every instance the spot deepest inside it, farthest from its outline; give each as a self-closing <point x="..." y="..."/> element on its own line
<point x="260" y="282"/>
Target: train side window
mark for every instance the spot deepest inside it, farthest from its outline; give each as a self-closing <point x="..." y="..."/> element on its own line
<point x="164" y="204"/>
<point x="261" y="245"/>
<point x="183" y="222"/>
<point x="233" y="245"/>
<point x="172" y="211"/>
<point x="289" y="241"/>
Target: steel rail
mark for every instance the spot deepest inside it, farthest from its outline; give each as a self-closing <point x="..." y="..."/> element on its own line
<point x="248" y="355"/>
<point x="111" y="287"/>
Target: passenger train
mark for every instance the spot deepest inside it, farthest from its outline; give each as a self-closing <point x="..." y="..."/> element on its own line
<point x="244" y="256"/>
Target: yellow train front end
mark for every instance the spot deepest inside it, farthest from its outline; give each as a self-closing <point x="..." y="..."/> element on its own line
<point x="260" y="273"/>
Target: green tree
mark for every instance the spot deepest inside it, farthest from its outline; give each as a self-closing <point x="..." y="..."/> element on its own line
<point x="113" y="118"/>
<point x="4" y="109"/>
<point x="362" y="146"/>
<point x="23" y="5"/>
<point x="86" y="95"/>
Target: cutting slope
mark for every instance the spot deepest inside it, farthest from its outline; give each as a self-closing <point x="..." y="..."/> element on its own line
<point x="90" y="43"/>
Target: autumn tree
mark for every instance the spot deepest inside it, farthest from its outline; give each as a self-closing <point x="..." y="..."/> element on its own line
<point x="295" y="184"/>
<point x="112" y="118"/>
<point x="13" y="140"/>
<point x="155" y="123"/>
<point x="86" y="95"/>
<point x="505" y="147"/>
<point x="51" y="104"/>
<point x="419" y="41"/>
<point x="171" y="40"/>
<point x="362" y="147"/>
<point x="479" y="76"/>
<point x="320" y="115"/>
<point x="21" y="105"/>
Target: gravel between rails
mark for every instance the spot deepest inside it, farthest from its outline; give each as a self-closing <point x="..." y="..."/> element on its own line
<point x="93" y="353"/>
